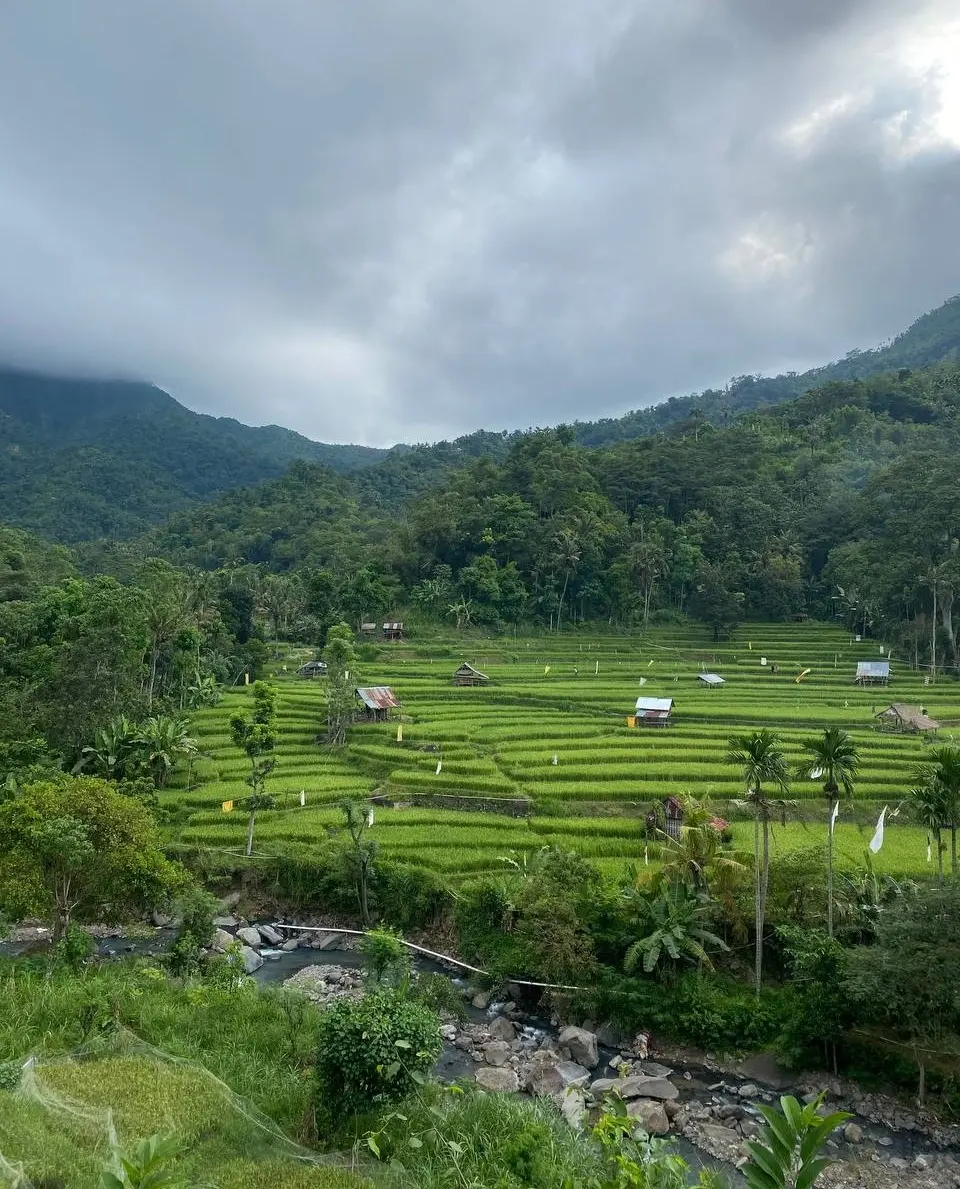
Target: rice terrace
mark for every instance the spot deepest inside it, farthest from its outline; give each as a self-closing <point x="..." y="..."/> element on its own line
<point x="550" y="730"/>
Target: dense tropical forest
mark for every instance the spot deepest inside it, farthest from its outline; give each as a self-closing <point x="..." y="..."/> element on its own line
<point x="165" y="770"/>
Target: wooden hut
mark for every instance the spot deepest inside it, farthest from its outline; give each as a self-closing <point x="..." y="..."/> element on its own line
<point x="711" y="680"/>
<point x="313" y="669"/>
<point x="376" y="702"/>
<point x="653" y="712"/>
<point x="368" y="629"/>
<point x="468" y="675"/>
<point x="393" y="631"/>
<point x="905" y="719"/>
<point x="873" y="672"/>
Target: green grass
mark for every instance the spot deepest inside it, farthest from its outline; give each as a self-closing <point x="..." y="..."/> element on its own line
<point x="501" y="740"/>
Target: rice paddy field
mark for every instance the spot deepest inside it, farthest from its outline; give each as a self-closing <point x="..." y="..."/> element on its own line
<point x="551" y="726"/>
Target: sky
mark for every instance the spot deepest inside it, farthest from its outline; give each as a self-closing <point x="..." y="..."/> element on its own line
<point x="401" y="220"/>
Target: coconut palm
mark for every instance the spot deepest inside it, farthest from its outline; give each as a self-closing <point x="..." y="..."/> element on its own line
<point x="929" y="807"/>
<point x="833" y="756"/>
<point x="696" y="857"/>
<point x="943" y="772"/>
<point x="761" y="761"/>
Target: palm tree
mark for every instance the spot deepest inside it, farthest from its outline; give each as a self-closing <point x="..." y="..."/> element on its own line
<point x="673" y="925"/>
<point x="929" y="807"/>
<point x="163" y="741"/>
<point x="761" y="761"/>
<point x="944" y="773"/>
<point x="697" y="857"/>
<point x="833" y="756"/>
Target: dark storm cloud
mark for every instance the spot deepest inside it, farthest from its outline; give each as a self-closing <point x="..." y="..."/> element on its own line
<point x="397" y="220"/>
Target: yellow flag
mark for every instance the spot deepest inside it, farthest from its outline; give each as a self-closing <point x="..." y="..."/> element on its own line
<point x="400" y="732"/>
<point x="631" y="720"/>
<point x="227" y="807"/>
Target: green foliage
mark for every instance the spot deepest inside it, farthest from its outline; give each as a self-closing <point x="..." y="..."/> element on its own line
<point x="386" y="957"/>
<point x="196" y="908"/>
<point x="74" y="948"/>
<point x="787" y="1156"/>
<point x="672" y="923"/>
<point x="341" y="660"/>
<point x="150" y="1165"/>
<point x="373" y="1051"/>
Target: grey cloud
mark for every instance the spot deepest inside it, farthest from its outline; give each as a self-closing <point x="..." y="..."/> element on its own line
<point x="388" y="221"/>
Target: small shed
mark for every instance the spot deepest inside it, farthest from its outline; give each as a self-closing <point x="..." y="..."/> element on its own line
<point x="376" y="702"/>
<point x="313" y="669"/>
<point x="468" y="675"/>
<point x="873" y="672"/>
<point x="654" y="712"/>
<point x="713" y="680"/>
<point x="902" y="718"/>
<point x="393" y="631"/>
<point x="368" y="629"/>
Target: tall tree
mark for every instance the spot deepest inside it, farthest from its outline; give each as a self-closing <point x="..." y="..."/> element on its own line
<point x="834" y="757"/>
<point x="256" y="738"/>
<point x="942" y="773"/>
<point x="761" y="761"/>
<point x="341" y="660"/>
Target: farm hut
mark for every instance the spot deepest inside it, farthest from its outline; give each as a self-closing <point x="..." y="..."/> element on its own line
<point x="711" y="680"/>
<point x="313" y="669"/>
<point x="468" y="675"/>
<point x="368" y="629"/>
<point x="900" y="717"/>
<point x="873" y="672"/>
<point x="653" y="712"/>
<point x="393" y="631"/>
<point x="376" y="703"/>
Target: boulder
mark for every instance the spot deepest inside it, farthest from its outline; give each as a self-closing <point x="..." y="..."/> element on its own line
<point x="225" y="922"/>
<point x="650" y="1115"/>
<point x="573" y="1107"/>
<point x="654" y="1069"/>
<point x="541" y="1075"/>
<point x="496" y="1052"/>
<point x="161" y="920"/>
<point x="572" y="1074"/>
<point x="749" y="1090"/>
<point x="270" y="935"/>
<point x="251" y="959"/>
<point x="636" y="1086"/>
<point x="613" y="1037"/>
<point x="582" y="1045"/>
<point x="231" y="900"/>
<point x="502" y="1029"/>
<point x="221" y="940"/>
<point x="464" y="1042"/>
<point x="481" y="1001"/>
<point x="250" y="936"/>
<point x="498" y="1080"/>
<point x="292" y="944"/>
<point x="448" y="1032"/>
<point x="853" y="1133"/>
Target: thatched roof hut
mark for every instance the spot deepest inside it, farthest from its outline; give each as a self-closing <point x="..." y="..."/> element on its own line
<point x="898" y="716"/>
<point x="468" y="675"/>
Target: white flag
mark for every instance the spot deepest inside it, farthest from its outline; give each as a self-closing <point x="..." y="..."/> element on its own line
<point x="816" y="774"/>
<point x="834" y="815"/>
<point x="369" y="818"/>
<point x="303" y="797"/>
<point x="597" y="669"/>
<point x="877" y="840"/>
<point x="439" y="766"/>
<point x="554" y="760"/>
<point x="929" y="850"/>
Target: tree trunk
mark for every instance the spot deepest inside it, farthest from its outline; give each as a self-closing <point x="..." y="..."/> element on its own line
<point x="953" y="848"/>
<point x="250" y="825"/>
<point x="933" y="639"/>
<point x="154" y="657"/>
<point x="758" y="905"/>
<point x="563" y="593"/>
<point x="946" y="618"/>
<point x="832" y="803"/>
<point x="763" y="894"/>
<point x="936" y="836"/>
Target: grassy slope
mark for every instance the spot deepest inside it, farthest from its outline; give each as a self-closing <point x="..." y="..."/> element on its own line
<point x="500" y="741"/>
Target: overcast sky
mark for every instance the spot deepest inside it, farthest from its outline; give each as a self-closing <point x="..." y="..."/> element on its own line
<point x="382" y="220"/>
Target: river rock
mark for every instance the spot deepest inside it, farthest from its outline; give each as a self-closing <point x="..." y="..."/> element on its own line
<point x="465" y="1043"/>
<point x="481" y="1001"/>
<point x="650" y="1115"/>
<point x="636" y="1086"/>
<point x="547" y="1074"/>
<point x="502" y="1029"/>
<point x="853" y="1133"/>
<point x="496" y="1052"/>
<point x="654" y="1069"/>
<point x="573" y="1107"/>
<point x="291" y="945"/>
<point x="270" y="935"/>
<point x="250" y="936"/>
<point x="582" y="1045"/>
<point x="225" y="922"/>
<point x="221" y="941"/>
<point x="448" y="1032"/>
<point x="498" y="1080"/>
<point x="572" y="1074"/>
<point x="251" y="959"/>
<point x="749" y="1090"/>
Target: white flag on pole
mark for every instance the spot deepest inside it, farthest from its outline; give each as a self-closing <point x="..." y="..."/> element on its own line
<point x="929" y="850"/>
<point x="877" y="840"/>
<point x="369" y="819"/>
<point x="834" y="815"/>
<point x="303" y="797"/>
<point x="439" y="766"/>
<point x="554" y="760"/>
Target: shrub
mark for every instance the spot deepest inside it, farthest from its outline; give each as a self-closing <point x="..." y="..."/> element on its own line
<point x="372" y="1051"/>
<point x="388" y="959"/>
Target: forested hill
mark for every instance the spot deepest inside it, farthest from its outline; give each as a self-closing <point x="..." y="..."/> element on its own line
<point x="848" y="488"/>
<point x="90" y="458"/>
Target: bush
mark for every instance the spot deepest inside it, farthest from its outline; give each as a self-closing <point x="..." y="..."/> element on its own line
<point x="387" y="959"/>
<point x="373" y="1051"/>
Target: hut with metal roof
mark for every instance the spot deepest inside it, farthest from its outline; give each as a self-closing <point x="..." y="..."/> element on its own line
<point x="468" y="675"/>
<point x="376" y="702"/>
<point x="653" y="712"/>
<point x="393" y="631"/>
<point x="905" y="719"/>
<point x="713" y="680"/>
<point x="313" y="669"/>
<point x="873" y="672"/>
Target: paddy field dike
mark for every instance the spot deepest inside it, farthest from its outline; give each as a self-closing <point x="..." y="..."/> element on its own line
<point x="551" y="726"/>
